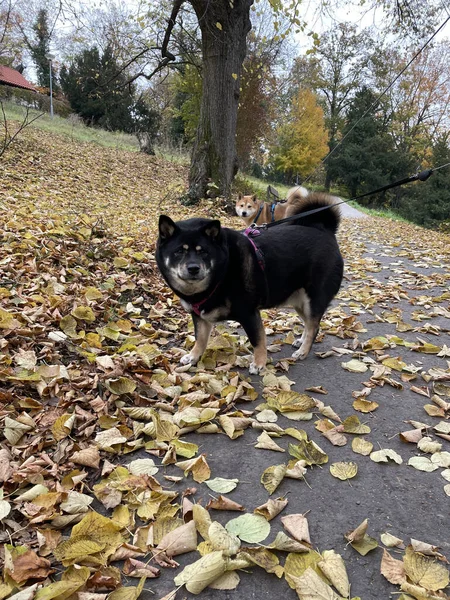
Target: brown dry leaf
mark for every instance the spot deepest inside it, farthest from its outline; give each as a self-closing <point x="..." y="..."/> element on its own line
<point x="335" y="436"/>
<point x="427" y="549"/>
<point x="137" y="568"/>
<point x="413" y="436"/>
<point x="224" y="503"/>
<point x="297" y="526"/>
<point x="27" y="565"/>
<point x="197" y="466"/>
<point x="284" y="543"/>
<point x="393" y="570"/>
<point x="271" y="508"/>
<point x="179" y="541"/>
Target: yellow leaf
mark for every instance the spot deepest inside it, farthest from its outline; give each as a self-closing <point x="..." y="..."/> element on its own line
<point x="120" y="386"/>
<point x="273" y="476"/>
<point x="425" y="571"/>
<point x="344" y="470"/>
<point x="63" y="426"/>
<point x="84" y="313"/>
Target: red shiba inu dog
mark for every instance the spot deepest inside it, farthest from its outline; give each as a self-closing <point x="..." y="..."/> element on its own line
<point x="257" y="211"/>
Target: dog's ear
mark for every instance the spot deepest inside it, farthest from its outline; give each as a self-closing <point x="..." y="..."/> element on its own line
<point x="166" y="227"/>
<point x="213" y="229"/>
<point x="254" y="197"/>
<point x="239" y="196"/>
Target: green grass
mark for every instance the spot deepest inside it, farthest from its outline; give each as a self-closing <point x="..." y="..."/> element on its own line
<point x="74" y="128"/>
<point x="260" y="186"/>
<point x="378" y="212"/>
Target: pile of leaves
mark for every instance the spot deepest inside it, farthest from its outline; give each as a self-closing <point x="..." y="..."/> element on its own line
<point x="97" y="414"/>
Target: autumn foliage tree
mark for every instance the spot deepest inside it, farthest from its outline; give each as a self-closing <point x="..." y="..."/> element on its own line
<point x="302" y="137"/>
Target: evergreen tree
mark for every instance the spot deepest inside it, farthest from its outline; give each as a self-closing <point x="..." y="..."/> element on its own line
<point x="96" y="93"/>
<point x="367" y="158"/>
<point x="428" y="203"/>
<point x="40" y="47"/>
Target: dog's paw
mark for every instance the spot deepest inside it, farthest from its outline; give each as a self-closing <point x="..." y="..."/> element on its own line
<point x="300" y="354"/>
<point x="297" y="343"/>
<point x="188" y="359"/>
<point x="255" y="370"/>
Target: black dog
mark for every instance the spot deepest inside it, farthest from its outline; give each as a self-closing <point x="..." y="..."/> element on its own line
<point x="220" y="274"/>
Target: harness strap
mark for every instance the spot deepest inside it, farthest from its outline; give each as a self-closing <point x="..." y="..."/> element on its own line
<point x="249" y="233"/>
<point x="258" y="213"/>
<point x="272" y="211"/>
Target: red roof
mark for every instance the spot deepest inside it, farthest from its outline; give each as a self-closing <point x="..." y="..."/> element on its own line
<point x="12" y="77"/>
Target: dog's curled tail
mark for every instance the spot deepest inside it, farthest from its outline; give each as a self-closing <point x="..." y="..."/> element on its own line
<point x="328" y="219"/>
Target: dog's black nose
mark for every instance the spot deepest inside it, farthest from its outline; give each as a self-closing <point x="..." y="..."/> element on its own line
<point x="244" y="213"/>
<point x="193" y="269"/>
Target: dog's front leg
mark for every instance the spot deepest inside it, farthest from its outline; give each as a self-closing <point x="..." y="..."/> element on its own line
<point x="202" y="330"/>
<point x="255" y="330"/>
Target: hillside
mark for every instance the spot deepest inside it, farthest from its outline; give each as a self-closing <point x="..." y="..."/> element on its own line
<point x="96" y="411"/>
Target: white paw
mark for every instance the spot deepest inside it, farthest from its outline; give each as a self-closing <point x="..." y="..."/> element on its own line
<point x="254" y="369"/>
<point x="188" y="359"/>
<point x="298" y="342"/>
<point x="300" y="354"/>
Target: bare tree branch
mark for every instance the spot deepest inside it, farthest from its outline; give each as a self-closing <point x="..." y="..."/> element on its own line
<point x="8" y="137"/>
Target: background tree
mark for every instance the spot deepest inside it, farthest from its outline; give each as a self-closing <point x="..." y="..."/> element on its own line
<point x="11" y="43"/>
<point x="38" y="45"/>
<point x="94" y="92"/>
<point x="428" y="203"/>
<point x="367" y="158"/>
<point x="302" y="137"/>
<point x="335" y="69"/>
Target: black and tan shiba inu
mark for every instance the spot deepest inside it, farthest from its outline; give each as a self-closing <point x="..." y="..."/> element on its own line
<point x="221" y="274"/>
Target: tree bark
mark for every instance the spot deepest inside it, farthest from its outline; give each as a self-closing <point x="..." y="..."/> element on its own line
<point x="224" y="26"/>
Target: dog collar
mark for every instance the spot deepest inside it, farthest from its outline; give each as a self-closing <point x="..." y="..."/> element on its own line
<point x="196" y="306"/>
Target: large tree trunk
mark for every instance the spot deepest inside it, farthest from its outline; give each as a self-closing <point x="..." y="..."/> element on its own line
<point x="224" y="25"/>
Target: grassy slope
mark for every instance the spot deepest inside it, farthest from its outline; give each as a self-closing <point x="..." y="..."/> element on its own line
<point x="76" y="130"/>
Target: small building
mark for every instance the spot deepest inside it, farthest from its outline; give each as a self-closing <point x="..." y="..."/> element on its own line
<point x="13" y="78"/>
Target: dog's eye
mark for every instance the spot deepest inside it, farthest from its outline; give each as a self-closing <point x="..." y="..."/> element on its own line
<point x="180" y="251"/>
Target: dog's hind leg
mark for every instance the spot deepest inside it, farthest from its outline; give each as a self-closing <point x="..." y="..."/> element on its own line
<point x="308" y="337"/>
<point x="302" y="304"/>
<point x="202" y="330"/>
<point x="255" y="330"/>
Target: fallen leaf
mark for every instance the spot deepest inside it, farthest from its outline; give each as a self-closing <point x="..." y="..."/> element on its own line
<point x="249" y="528"/>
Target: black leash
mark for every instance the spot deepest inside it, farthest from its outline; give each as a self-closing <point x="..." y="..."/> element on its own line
<point x="422" y="176"/>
